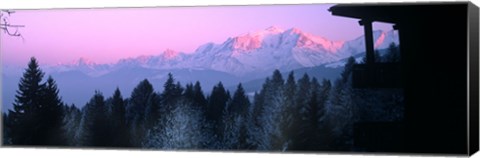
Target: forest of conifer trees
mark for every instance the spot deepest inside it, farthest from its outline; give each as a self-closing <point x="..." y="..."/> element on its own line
<point x="286" y="114"/>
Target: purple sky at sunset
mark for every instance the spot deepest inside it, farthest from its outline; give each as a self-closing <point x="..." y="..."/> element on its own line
<point x="106" y="35"/>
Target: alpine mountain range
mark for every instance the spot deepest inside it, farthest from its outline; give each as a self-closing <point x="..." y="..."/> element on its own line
<point x="246" y="59"/>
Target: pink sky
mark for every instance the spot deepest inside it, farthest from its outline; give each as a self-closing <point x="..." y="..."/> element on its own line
<point x="106" y="35"/>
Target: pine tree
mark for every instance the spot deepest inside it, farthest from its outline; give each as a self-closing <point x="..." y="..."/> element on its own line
<point x="171" y="93"/>
<point x="303" y="93"/>
<point x="216" y="106"/>
<point x="119" y="129"/>
<point x="26" y="113"/>
<point x="240" y="103"/>
<point x="181" y="129"/>
<point x="52" y="114"/>
<point x="217" y="102"/>
<point x="71" y="125"/>
<point x="301" y="102"/>
<point x="291" y="117"/>
<point x="347" y="71"/>
<point x="38" y="112"/>
<point x="325" y="92"/>
<point x="393" y="54"/>
<point x="235" y="131"/>
<point x="152" y="111"/>
<point x="270" y="127"/>
<point x="137" y="106"/>
<point x="200" y="103"/>
<point x="140" y="95"/>
<point x="254" y="121"/>
<point x="341" y="110"/>
<point x="255" y="117"/>
<point x="199" y="97"/>
<point x="94" y="122"/>
<point x="188" y="92"/>
<point x="310" y="122"/>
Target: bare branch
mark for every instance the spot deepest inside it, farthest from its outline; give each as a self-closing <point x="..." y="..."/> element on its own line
<point x="10" y="25"/>
<point x="6" y="26"/>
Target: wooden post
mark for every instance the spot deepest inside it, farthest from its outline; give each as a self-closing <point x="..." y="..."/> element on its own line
<point x="367" y="27"/>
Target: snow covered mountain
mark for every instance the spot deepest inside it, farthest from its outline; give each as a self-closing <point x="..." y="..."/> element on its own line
<point x="246" y="58"/>
<point x="251" y="53"/>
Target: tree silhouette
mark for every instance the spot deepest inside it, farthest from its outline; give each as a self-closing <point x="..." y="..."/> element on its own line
<point x="52" y="114"/>
<point x="198" y="96"/>
<point x="235" y="130"/>
<point x="71" y="125"/>
<point x="26" y="108"/>
<point x="240" y="103"/>
<point x="119" y="129"/>
<point x="95" y="123"/>
<point x="291" y="116"/>
<point x="171" y="93"/>
<point x="138" y="102"/>
<point x="216" y="105"/>
<point x="393" y="54"/>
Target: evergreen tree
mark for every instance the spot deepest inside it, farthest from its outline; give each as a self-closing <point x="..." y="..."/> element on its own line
<point x="200" y="102"/>
<point x="188" y="93"/>
<point x="26" y="114"/>
<point x="119" y="129"/>
<point x="52" y="114"/>
<point x="270" y="127"/>
<point x="325" y="92"/>
<point x="217" y="102"/>
<point x="37" y="111"/>
<point x="259" y="99"/>
<point x="291" y="117"/>
<point x="277" y="81"/>
<point x="71" y="125"/>
<point x="254" y="121"/>
<point x="171" y="93"/>
<point x="303" y="93"/>
<point x="302" y="97"/>
<point x="393" y="54"/>
<point x="140" y="95"/>
<point x="199" y="97"/>
<point x="342" y="110"/>
<point x="152" y="111"/>
<point x="240" y="103"/>
<point x="235" y="131"/>
<point x="255" y="117"/>
<point x="216" y="105"/>
<point x="347" y="71"/>
<point x="181" y="129"/>
<point x="94" y="123"/>
<point x="137" y="106"/>
<point x="310" y="120"/>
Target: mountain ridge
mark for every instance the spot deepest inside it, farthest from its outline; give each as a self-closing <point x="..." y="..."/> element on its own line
<point x="233" y="61"/>
<point x="277" y="48"/>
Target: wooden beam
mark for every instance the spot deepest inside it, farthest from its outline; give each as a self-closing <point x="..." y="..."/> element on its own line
<point x="367" y="27"/>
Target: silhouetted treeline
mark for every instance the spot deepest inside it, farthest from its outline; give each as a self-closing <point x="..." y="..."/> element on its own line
<point x="286" y="114"/>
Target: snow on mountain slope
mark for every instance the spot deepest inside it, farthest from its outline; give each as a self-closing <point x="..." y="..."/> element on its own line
<point x="260" y="51"/>
<point x="238" y="59"/>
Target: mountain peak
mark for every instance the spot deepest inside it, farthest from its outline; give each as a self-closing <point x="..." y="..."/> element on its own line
<point x="83" y="61"/>
<point x="170" y="53"/>
<point x="274" y="29"/>
<point x="295" y="30"/>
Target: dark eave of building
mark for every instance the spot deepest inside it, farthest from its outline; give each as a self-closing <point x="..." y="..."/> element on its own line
<point x="393" y="12"/>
